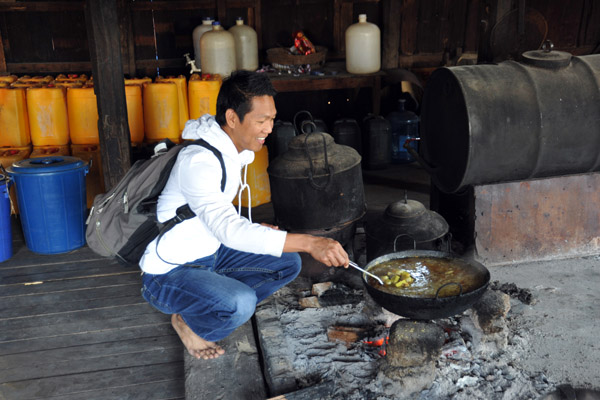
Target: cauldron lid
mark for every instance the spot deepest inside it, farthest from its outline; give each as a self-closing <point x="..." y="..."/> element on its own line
<point x="311" y="142"/>
<point x="408" y="217"/>
<point x="405" y="209"/>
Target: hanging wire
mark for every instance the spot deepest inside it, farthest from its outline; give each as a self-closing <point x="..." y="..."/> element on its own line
<point x="155" y="42"/>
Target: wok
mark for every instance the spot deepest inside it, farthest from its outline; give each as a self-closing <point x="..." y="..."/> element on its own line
<point x="430" y="306"/>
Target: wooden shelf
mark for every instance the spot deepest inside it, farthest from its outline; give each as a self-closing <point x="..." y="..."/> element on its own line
<point x="334" y="77"/>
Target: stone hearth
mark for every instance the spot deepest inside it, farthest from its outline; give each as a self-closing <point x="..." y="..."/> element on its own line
<point x="473" y="355"/>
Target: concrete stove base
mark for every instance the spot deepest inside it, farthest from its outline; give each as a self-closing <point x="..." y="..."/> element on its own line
<point x="541" y="219"/>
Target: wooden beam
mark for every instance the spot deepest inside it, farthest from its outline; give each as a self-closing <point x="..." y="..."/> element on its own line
<point x="337" y="27"/>
<point x="41" y="6"/>
<point x="323" y="390"/>
<point x="221" y="11"/>
<point x="409" y="23"/>
<point x="48" y="67"/>
<point x="127" y="40"/>
<point x="491" y="12"/>
<point x="172" y="5"/>
<point x="258" y="24"/>
<point x="346" y="13"/>
<point x="104" y="38"/>
<point x="3" y="69"/>
<point x="152" y="64"/>
<point x="472" y="28"/>
<point x="391" y="34"/>
<point x="421" y="60"/>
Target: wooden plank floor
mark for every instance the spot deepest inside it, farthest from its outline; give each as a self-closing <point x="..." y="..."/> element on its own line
<point x="74" y="326"/>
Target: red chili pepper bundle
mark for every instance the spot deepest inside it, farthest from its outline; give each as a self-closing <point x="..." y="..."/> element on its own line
<point x="302" y="43"/>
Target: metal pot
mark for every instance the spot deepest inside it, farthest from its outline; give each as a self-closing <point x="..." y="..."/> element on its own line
<point x="317" y="188"/>
<point x="435" y="306"/>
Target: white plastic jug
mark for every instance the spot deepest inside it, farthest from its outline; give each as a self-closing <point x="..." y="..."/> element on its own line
<point x="363" y="47"/>
<point x="197" y="34"/>
<point x="217" y="51"/>
<point x="246" y="46"/>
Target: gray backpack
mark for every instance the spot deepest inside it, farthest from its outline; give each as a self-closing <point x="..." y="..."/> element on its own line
<point x="122" y="222"/>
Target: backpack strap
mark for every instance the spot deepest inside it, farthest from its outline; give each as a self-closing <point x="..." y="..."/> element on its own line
<point x="184" y="212"/>
<point x="217" y="153"/>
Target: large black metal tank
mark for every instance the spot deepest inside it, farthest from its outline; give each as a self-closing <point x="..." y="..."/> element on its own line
<point x="512" y="121"/>
<point x="317" y="187"/>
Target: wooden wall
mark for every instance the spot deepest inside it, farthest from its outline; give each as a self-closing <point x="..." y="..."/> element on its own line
<point x="52" y="37"/>
<point x="49" y="37"/>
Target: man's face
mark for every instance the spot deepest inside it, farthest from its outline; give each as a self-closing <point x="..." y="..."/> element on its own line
<point x="257" y="125"/>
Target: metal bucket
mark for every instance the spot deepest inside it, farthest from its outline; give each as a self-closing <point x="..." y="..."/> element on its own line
<point x="512" y="121"/>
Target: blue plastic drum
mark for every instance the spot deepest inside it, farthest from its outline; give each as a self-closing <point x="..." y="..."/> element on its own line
<point x="51" y="195"/>
<point x="5" y="227"/>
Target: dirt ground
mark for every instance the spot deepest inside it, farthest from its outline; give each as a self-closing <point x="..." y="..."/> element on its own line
<point x="563" y="319"/>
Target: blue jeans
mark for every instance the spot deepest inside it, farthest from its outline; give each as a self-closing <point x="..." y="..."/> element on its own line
<point x="216" y="294"/>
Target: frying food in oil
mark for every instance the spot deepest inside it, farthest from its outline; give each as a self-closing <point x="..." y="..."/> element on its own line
<point x="423" y="276"/>
<point x="398" y="278"/>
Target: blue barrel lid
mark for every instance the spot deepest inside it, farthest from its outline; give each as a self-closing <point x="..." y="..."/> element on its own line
<point x="46" y="164"/>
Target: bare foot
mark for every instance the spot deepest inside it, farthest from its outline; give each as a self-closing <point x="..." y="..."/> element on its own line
<point x="195" y="345"/>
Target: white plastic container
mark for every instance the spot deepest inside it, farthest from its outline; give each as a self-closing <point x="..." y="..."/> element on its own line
<point x="197" y="34"/>
<point x="217" y="51"/>
<point x="363" y="47"/>
<point x="246" y="46"/>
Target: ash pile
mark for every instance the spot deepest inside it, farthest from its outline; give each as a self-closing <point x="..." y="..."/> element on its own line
<point x="330" y="340"/>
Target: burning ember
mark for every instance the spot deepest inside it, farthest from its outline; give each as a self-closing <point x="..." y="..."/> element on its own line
<point x="379" y="344"/>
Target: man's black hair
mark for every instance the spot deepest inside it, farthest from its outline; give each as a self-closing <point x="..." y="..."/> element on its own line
<point x="238" y="90"/>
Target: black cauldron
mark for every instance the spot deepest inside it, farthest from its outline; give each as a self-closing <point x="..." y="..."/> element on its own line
<point x="317" y="187"/>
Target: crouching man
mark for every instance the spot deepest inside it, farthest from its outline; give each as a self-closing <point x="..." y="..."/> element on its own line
<point x="210" y="272"/>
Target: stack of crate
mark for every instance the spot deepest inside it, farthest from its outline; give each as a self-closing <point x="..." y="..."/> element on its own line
<point x="44" y="116"/>
<point x="82" y="114"/>
<point x="15" y="135"/>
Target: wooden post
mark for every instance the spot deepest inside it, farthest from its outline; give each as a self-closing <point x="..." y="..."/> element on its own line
<point x="338" y="40"/>
<point x="472" y="28"/>
<point x="3" y="69"/>
<point x="127" y="44"/>
<point x="492" y="12"/>
<point x="409" y="20"/>
<point x="391" y="34"/>
<point x="105" y="52"/>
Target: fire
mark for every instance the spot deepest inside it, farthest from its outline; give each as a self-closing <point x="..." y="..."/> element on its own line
<point x="381" y="342"/>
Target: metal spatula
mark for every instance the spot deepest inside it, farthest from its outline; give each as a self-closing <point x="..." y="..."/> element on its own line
<point x="355" y="265"/>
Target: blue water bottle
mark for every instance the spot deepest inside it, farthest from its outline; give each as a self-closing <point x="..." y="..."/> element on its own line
<point x="405" y="125"/>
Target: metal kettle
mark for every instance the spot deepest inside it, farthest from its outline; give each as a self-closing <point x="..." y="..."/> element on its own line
<point x="405" y="224"/>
